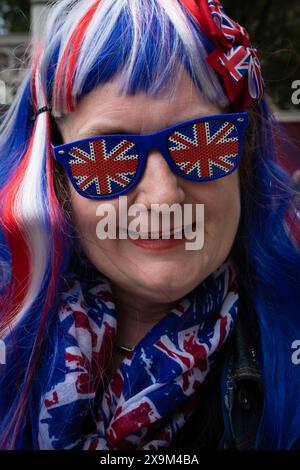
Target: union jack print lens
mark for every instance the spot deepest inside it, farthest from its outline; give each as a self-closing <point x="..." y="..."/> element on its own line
<point x="203" y="149"/>
<point x="103" y="166"/>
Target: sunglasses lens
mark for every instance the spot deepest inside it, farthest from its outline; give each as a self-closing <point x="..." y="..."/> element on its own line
<point x="205" y="150"/>
<point x="103" y="167"/>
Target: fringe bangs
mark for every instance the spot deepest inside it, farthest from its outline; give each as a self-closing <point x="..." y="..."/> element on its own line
<point x="146" y="43"/>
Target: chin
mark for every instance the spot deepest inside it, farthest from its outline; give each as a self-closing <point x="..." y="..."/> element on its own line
<point x="165" y="285"/>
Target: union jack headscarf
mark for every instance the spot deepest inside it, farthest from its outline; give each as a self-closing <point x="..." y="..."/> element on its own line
<point x="157" y="386"/>
<point x="233" y="58"/>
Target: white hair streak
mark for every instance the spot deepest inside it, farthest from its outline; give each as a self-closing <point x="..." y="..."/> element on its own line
<point x="30" y="206"/>
<point x="57" y="15"/>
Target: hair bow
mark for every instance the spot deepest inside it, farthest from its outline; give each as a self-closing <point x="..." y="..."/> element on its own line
<point x="233" y="58"/>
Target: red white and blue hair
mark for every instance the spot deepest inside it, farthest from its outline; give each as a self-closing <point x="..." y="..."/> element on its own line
<point x="85" y="44"/>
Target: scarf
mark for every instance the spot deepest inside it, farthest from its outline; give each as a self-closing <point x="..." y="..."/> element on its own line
<point x="157" y="386"/>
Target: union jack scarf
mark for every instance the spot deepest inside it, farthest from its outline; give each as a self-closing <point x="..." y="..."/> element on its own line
<point x="158" y="385"/>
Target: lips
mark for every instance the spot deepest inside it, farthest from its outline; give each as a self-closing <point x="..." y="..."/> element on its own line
<point x="162" y="235"/>
<point x="155" y="235"/>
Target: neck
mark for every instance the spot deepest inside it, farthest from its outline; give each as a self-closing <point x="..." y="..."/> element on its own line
<point x="136" y="316"/>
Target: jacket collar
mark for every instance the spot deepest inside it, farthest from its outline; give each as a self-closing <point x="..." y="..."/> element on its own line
<point x="242" y="390"/>
<point x="246" y="364"/>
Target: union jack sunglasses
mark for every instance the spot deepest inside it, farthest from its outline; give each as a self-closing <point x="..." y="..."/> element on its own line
<point x="108" y="166"/>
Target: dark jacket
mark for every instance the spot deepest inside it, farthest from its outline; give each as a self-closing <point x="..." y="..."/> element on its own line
<point x="229" y="413"/>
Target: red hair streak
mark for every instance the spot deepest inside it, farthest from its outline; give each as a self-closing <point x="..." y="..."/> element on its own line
<point x="68" y="61"/>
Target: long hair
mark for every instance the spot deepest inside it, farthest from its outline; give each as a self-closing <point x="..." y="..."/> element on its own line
<point x="145" y="42"/>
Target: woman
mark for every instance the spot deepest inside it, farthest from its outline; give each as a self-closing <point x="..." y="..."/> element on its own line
<point x="132" y="343"/>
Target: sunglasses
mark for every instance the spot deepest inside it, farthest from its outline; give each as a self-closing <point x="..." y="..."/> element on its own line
<point x="108" y="166"/>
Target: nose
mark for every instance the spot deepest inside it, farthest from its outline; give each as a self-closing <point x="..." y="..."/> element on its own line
<point x="159" y="185"/>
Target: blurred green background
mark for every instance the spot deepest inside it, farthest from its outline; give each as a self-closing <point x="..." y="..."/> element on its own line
<point x="15" y="16"/>
<point x="274" y="27"/>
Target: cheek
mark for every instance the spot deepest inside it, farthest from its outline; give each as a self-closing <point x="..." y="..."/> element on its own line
<point x="84" y="214"/>
<point x="222" y="207"/>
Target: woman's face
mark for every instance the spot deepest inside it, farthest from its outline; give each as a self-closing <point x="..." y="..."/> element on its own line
<point x="156" y="275"/>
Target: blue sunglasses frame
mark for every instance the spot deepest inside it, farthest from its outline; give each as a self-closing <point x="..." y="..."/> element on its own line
<point x="147" y="142"/>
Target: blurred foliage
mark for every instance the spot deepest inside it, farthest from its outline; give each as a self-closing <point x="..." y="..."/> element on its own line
<point x="274" y="27"/>
<point x="15" y="15"/>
